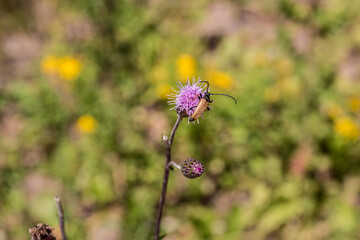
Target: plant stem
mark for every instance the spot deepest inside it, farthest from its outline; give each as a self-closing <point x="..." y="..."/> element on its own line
<point x="61" y="217"/>
<point x="168" y="143"/>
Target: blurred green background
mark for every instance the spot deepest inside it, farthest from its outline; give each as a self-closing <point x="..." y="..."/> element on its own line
<point x="83" y="108"/>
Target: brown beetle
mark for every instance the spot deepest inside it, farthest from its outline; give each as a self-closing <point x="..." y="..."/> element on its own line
<point x="204" y="102"/>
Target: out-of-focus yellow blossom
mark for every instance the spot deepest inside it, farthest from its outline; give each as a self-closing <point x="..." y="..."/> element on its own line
<point x="186" y="66"/>
<point x="86" y="124"/>
<point x="354" y="104"/>
<point x="220" y="79"/>
<point x="163" y="90"/>
<point x="333" y="110"/>
<point x="284" y="67"/>
<point x="260" y="59"/>
<point x="346" y="127"/>
<point x="272" y="94"/>
<point x="159" y="73"/>
<point x="290" y="86"/>
<point x="283" y="82"/>
<point x="49" y="65"/>
<point x="69" y="68"/>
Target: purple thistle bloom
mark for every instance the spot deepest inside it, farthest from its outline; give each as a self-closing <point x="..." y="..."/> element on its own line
<point x="192" y="168"/>
<point x="187" y="98"/>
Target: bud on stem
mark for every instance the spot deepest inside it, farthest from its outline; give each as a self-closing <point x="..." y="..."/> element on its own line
<point x="192" y="168"/>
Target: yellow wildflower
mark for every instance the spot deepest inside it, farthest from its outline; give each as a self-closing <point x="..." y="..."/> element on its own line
<point x="272" y="94"/>
<point x="284" y="67"/>
<point x="290" y="86"/>
<point x="86" y="124"/>
<point x="346" y="127"/>
<point x="49" y="65"/>
<point x="220" y="79"/>
<point x="69" y="68"/>
<point x="163" y="90"/>
<point x="354" y="104"/>
<point x="260" y="59"/>
<point x="186" y="66"/>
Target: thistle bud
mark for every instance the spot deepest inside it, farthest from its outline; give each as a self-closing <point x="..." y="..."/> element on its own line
<point x="42" y="231"/>
<point x="192" y="168"/>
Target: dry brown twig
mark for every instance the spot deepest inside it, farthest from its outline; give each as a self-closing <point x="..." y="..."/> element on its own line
<point x="61" y="217"/>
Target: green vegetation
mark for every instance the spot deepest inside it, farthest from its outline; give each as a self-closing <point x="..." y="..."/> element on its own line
<point x="83" y="107"/>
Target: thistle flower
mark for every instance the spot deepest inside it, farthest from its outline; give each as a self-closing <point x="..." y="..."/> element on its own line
<point x="192" y="168"/>
<point x="187" y="97"/>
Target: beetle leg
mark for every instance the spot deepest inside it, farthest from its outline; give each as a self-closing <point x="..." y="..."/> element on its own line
<point x="192" y="108"/>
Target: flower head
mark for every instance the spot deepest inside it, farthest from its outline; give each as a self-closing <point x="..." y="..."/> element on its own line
<point x="42" y="231"/>
<point x="354" y="104"/>
<point x="220" y="79"/>
<point x="347" y="127"/>
<point x="69" y="68"/>
<point x="86" y="124"/>
<point x="192" y="168"/>
<point x="187" y="97"/>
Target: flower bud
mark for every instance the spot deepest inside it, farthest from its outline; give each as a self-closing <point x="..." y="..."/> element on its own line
<point x="192" y="168"/>
<point x="42" y="231"/>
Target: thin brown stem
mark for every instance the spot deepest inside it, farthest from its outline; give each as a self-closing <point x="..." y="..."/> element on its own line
<point x="61" y="217"/>
<point x="168" y="143"/>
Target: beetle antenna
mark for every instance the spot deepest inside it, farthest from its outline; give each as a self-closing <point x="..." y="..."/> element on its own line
<point x="207" y="83"/>
<point x="224" y="95"/>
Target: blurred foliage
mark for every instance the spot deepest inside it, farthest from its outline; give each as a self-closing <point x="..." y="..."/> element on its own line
<point x="83" y="108"/>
